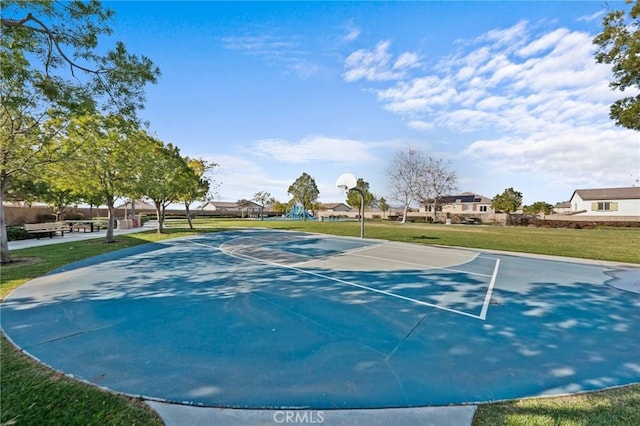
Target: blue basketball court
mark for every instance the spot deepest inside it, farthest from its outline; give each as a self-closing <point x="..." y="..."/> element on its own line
<point x="275" y="319"/>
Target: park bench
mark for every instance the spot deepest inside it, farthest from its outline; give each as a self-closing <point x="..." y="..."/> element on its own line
<point x="50" y="229"/>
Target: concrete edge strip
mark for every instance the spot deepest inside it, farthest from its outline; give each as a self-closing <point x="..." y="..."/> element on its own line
<point x="176" y="414"/>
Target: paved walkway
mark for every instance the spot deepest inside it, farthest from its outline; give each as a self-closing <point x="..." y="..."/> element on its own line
<point x="69" y="237"/>
<point x="178" y="415"/>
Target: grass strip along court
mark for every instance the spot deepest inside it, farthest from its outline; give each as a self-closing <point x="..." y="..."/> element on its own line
<point x="471" y="307"/>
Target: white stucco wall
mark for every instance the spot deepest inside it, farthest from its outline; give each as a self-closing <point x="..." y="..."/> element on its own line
<point x="617" y="207"/>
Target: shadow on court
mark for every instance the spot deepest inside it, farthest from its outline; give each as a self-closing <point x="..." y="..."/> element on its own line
<point x="204" y="320"/>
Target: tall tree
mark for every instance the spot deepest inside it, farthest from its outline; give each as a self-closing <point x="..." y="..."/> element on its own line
<point x="353" y="197"/>
<point x="619" y="45"/>
<point x="383" y="206"/>
<point x="508" y="202"/>
<point x="263" y="198"/>
<point x="538" y="207"/>
<point x="161" y="174"/>
<point x="52" y="68"/>
<point x="99" y="169"/>
<point x="197" y="186"/>
<point x="405" y="175"/>
<point x="436" y="180"/>
<point x="279" y="207"/>
<point x="304" y="191"/>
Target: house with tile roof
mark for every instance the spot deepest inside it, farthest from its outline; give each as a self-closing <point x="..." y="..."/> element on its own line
<point x="335" y="207"/>
<point x="606" y="202"/>
<point x="461" y="204"/>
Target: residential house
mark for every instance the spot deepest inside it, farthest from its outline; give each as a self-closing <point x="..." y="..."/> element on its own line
<point x="606" y="202"/>
<point x="466" y="203"/>
<point x="335" y="207"/>
<point x="563" y="207"/>
<point x="225" y="208"/>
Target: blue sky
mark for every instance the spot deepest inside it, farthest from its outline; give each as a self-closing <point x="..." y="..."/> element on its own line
<point x="508" y="92"/>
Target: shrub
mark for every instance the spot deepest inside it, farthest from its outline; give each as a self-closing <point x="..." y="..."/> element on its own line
<point x="15" y="233"/>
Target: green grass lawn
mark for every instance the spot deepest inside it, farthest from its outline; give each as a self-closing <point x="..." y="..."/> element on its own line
<point x="33" y="394"/>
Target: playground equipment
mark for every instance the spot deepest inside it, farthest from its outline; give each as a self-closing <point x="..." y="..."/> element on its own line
<point x="299" y="213"/>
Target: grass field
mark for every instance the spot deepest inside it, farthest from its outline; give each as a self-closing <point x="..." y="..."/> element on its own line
<point x="33" y="394"/>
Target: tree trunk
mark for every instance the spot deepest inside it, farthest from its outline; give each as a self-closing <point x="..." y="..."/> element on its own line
<point x="158" y="205"/>
<point x="133" y="209"/>
<point x="5" y="256"/>
<point x="186" y="207"/>
<point x="404" y="214"/>
<point x="111" y="221"/>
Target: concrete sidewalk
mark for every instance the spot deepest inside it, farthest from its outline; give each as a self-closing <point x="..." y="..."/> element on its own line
<point x="180" y="415"/>
<point x="70" y="237"/>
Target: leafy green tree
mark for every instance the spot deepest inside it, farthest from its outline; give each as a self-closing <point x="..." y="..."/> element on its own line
<point x="508" y="202"/>
<point x="279" y="207"/>
<point x="197" y="186"/>
<point x="59" y="199"/>
<point x="52" y="68"/>
<point x="353" y="197"/>
<point x="263" y="198"/>
<point x="161" y="173"/>
<point x="383" y="206"/>
<point x="304" y="191"/>
<point x="99" y="171"/>
<point x="538" y="207"/>
<point x="619" y="45"/>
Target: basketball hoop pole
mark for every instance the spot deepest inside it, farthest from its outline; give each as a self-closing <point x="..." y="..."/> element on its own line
<point x="348" y="182"/>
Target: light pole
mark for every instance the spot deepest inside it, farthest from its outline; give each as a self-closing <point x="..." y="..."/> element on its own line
<point x="348" y="182"/>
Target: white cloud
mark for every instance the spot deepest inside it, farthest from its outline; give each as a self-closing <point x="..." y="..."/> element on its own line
<point x="592" y="17"/>
<point x="420" y="94"/>
<point x="566" y="155"/>
<point x="420" y="125"/>
<point x="543" y="43"/>
<point x="239" y="177"/>
<point x="315" y="148"/>
<point x="274" y="49"/>
<point x="351" y="32"/>
<point x="378" y="64"/>
<point x="539" y="93"/>
<point x="509" y="38"/>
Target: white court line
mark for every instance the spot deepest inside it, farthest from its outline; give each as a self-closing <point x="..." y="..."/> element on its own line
<point x="423" y="247"/>
<point x="427" y="266"/>
<point x="487" y="297"/>
<point x="340" y="253"/>
<point x="302" y="271"/>
<point x="482" y="316"/>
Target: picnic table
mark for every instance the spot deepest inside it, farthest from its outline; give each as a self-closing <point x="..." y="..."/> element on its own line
<point x="84" y="225"/>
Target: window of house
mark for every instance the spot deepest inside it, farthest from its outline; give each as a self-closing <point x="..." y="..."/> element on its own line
<point x="483" y="208"/>
<point x="605" y="206"/>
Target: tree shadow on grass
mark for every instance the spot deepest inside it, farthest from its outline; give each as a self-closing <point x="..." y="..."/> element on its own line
<point x="424" y="237"/>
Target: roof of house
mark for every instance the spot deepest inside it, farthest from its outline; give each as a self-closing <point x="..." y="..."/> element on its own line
<point x="139" y="205"/>
<point x="629" y="193"/>
<point x="333" y="206"/>
<point x="465" y="197"/>
<point x="229" y="205"/>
